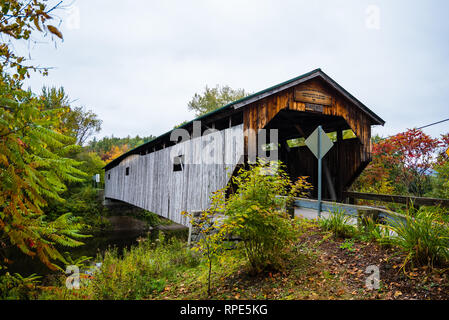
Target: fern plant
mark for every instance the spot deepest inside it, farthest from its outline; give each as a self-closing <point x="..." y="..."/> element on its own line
<point x="14" y="286"/>
<point x="33" y="169"/>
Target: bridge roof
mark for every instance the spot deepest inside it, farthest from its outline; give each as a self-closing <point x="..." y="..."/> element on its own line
<point x="317" y="73"/>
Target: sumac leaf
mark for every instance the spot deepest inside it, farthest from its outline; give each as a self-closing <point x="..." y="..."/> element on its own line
<point x="55" y="31"/>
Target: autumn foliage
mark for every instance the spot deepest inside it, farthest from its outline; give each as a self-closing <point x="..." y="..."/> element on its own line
<point x="403" y="163"/>
<point x="113" y="153"/>
<point x="34" y="162"/>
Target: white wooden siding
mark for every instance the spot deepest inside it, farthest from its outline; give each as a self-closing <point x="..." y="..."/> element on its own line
<point x="153" y="185"/>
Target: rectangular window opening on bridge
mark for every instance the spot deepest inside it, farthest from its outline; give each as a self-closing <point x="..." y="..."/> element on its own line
<point x="178" y="163"/>
<point x="270" y="146"/>
<point x="109" y="176"/>
<point x="127" y="171"/>
<point x="296" y="142"/>
<point x="348" y="134"/>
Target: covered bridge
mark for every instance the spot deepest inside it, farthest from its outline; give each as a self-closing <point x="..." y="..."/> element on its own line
<point x="172" y="173"/>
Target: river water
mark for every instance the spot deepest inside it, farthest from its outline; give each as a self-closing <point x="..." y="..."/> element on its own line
<point x="95" y="245"/>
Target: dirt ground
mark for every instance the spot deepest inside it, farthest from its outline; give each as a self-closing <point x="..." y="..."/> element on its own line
<point x="395" y="282"/>
<point x="337" y="269"/>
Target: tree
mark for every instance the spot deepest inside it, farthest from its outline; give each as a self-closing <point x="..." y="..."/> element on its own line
<point x="115" y="152"/>
<point x="402" y="163"/>
<point x="181" y="124"/>
<point x="258" y="213"/>
<point x="83" y="123"/>
<point x="212" y="235"/>
<point x="77" y="122"/>
<point x="109" y="148"/>
<point x="443" y="156"/>
<point x="32" y="168"/>
<point x="214" y="98"/>
<point x="19" y="20"/>
<point x="31" y="173"/>
<point x="441" y="181"/>
<point x="92" y="163"/>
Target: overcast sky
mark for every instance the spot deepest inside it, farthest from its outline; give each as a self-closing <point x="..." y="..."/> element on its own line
<point x="137" y="63"/>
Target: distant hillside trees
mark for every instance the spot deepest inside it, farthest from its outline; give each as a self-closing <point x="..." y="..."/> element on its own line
<point x="109" y="148"/>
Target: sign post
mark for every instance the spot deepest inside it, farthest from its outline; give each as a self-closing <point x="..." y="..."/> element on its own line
<point x="319" y="143"/>
<point x="96" y="180"/>
<point x="319" y="169"/>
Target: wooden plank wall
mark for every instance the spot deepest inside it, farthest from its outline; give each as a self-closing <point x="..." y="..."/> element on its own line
<point x="343" y="158"/>
<point x="258" y="114"/>
<point x="153" y="185"/>
<point x="346" y="159"/>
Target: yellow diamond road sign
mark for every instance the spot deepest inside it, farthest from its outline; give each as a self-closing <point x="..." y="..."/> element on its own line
<point x="447" y="151"/>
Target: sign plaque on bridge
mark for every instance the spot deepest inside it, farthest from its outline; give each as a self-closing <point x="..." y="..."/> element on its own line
<point x="319" y="143"/>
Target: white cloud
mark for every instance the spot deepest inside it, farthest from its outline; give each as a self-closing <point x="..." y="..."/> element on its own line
<point x="137" y="63"/>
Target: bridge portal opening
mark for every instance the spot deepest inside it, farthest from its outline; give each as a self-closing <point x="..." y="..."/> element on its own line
<point x="341" y="165"/>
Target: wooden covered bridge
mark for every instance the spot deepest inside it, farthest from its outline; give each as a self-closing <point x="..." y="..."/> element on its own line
<point x="169" y="175"/>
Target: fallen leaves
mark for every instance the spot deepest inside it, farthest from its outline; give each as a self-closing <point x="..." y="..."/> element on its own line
<point x="332" y="275"/>
<point x="397" y="294"/>
<point x="341" y="292"/>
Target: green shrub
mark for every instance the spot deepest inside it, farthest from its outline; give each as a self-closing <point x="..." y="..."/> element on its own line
<point x="348" y="245"/>
<point x="149" y="217"/>
<point x="440" y="182"/>
<point x="424" y="239"/>
<point x="78" y="200"/>
<point x="256" y="213"/>
<point x="16" y="287"/>
<point x="338" y="224"/>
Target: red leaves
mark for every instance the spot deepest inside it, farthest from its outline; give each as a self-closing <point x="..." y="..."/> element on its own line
<point x="31" y="243"/>
<point x="416" y="149"/>
<point x="404" y="159"/>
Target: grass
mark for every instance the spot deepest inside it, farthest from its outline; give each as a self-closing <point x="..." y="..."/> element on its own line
<point x="319" y="265"/>
<point x="139" y="273"/>
<point x="338" y="224"/>
<point x="424" y="239"/>
<point x="167" y="269"/>
<point x="370" y="230"/>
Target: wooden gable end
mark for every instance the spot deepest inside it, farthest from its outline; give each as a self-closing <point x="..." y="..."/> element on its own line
<point x="328" y="102"/>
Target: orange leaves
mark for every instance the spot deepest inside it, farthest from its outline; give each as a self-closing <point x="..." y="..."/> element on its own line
<point x="340" y="292"/>
<point x="397" y="294"/>
<point x="23" y="22"/>
<point x="401" y="163"/>
<point x="36" y="23"/>
<point x="167" y="289"/>
<point x="55" y="31"/>
<point x="114" y="152"/>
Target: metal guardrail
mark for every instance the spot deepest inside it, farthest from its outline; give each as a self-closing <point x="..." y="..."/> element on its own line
<point x="407" y="200"/>
<point x="355" y="211"/>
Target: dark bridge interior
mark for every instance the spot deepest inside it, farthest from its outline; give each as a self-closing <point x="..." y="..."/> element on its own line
<point x="339" y="164"/>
